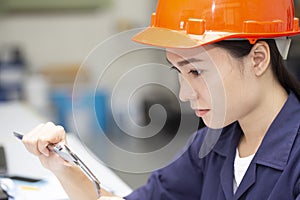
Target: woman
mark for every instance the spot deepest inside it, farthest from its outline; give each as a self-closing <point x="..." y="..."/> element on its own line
<point x="236" y="82"/>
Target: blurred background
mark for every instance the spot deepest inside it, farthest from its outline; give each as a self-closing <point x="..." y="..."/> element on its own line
<point x="42" y="45"/>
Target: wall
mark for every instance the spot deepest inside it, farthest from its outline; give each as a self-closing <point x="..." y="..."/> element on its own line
<point x="68" y="36"/>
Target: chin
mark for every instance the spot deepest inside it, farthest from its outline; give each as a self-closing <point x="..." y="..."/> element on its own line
<point x="216" y="123"/>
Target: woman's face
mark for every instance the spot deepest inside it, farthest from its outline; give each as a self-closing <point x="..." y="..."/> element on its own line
<point x="215" y="83"/>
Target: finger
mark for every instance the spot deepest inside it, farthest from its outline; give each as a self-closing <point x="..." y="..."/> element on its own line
<point x="44" y="140"/>
<point x="30" y="140"/>
<point x="58" y="136"/>
<point x="54" y="162"/>
<point x="50" y="134"/>
<point x="37" y="140"/>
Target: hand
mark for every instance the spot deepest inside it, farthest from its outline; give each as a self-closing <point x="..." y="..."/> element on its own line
<point x="37" y="140"/>
<point x="110" y="198"/>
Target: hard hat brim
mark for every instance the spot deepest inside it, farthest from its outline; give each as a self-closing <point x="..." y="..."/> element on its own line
<point x="167" y="38"/>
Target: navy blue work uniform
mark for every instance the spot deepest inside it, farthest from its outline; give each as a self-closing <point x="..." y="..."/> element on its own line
<point x="273" y="174"/>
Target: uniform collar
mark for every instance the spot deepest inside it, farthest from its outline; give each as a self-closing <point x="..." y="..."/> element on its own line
<point x="276" y="146"/>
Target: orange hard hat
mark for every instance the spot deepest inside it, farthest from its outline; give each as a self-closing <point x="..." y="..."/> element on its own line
<point x="192" y="23"/>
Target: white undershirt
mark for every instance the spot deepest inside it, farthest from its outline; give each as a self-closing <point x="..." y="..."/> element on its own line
<point x="240" y="167"/>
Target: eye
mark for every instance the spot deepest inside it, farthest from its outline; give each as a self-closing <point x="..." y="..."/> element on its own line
<point x="175" y="68"/>
<point x="196" y="72"/>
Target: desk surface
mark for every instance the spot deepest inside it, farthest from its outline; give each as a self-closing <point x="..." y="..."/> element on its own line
<point x="19" y="117"/>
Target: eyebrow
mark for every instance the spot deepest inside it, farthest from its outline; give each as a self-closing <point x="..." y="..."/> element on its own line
<point x="185" y="61"/>
<point x="188" y="61"/>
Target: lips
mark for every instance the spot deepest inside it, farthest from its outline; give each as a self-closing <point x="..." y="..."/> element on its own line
<point x="201" y="112"/>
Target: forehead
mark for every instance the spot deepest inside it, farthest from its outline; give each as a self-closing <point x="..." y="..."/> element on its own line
<point x="204" y="53"/>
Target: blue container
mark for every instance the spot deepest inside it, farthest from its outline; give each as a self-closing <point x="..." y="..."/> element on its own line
<point x="101" y="110"/>
<point x="92" y="107"/>
<point x="62" y="101"/>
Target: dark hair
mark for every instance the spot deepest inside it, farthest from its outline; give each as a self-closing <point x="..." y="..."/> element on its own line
<point x="241" y="48"/>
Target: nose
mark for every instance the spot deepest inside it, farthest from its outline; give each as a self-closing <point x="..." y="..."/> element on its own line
<point x="186" y="92"/>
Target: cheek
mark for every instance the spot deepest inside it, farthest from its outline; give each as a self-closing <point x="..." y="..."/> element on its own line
<point x="202" y="89"/>
<point x="216" y="89"/>
<point x="238" y="96"/>
<point x="229" y="90"/>
<point x="218" y="100"/>
<point x="195" y="88"/>
<point x="224" y="90"/>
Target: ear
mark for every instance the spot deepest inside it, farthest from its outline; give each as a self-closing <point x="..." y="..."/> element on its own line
<point x="260" y="57"/>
